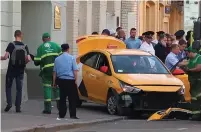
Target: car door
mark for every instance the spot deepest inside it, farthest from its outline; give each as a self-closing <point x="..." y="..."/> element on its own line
<point x="87" y="85"/>
<point x="102" y="79"/>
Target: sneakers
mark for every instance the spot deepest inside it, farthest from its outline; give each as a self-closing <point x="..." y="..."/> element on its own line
<point x="58" y="119"/>
<point x="18" y="109"/>
<point x="7" y="108"/>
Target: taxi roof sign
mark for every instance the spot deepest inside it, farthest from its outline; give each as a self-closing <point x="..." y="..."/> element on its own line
<point x="110" y="46"/>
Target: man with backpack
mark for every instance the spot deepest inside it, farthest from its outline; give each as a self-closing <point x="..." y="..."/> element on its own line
<point x="46" y="54"/>
<point x="19" y="56"/>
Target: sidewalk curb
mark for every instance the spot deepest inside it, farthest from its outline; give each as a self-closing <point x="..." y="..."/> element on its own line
<point x="64" y="126"/>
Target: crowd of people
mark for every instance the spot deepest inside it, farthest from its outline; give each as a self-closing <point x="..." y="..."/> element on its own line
<point x="168" y="48"/>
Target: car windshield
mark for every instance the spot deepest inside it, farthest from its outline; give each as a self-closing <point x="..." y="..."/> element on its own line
<point x="137" y="64"/>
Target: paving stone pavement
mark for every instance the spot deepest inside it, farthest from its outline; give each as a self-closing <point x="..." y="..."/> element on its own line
<point x="31" y="117"/>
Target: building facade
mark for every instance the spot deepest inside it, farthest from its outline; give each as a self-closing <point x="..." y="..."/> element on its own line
<point x="160" y="16"/>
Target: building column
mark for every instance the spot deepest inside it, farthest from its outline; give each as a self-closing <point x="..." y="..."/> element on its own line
<point x="95" y="16"/>
<point x="11" y="14"/>
<point x="72" y="12"/>
<point x="200" y="8"/>
<point x="82" y="20"/>
<point x="102" y="13"/>
<point x="89" y="18"/>
<point x="129" y="15"/>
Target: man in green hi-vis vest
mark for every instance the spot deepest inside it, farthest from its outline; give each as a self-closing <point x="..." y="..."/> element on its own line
<point x="46" y="54"/>
<point x="194" y="77"/>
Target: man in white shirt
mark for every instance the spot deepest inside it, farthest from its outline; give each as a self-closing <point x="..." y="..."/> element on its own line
<point x="147" y="45"/>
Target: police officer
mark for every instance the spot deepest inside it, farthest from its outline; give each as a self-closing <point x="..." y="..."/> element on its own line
<point x="194" y="76"/>
<point x="46" y="54"/>
<point x="65" y="76"/>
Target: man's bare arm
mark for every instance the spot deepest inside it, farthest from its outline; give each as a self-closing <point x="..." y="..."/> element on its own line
<point x="54" y="79"/>
<point x="75" y="75"/>
<point x="5" y="57"/>
<point x="196" y="69"/>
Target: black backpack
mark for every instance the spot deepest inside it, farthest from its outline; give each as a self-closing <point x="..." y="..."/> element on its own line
<point x="19" y="54"/>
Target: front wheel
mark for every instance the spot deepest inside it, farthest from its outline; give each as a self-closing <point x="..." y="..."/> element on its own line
<point x="114" y="108"/>
<point x="112" y="105"/>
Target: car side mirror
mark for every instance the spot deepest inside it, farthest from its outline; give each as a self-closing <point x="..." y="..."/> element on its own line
<point x="104" y="69"/>
<point x="178" y="71"/>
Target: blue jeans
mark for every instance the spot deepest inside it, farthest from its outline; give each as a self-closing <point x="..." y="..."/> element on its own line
<point x="19" y="84"/>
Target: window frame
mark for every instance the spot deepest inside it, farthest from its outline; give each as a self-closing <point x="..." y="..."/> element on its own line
<point x="98" y="63"/>
<point x="85" y="57"/>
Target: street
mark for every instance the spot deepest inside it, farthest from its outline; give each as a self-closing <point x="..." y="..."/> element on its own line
<point x="143" y="126"/>
<point x="31" y="117"/>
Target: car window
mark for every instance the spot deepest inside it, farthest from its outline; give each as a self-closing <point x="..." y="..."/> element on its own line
<point x="103" y="61"/>
<point x="90" y="59"/>
<point x="136" y="64"/>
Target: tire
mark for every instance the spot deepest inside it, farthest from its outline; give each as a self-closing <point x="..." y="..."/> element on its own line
<point x="113" y="107"/>
<point x="112" y="104"/>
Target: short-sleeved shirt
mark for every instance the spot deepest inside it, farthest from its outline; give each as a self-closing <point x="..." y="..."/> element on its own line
<point x="132" y="43"/>
<point x="148" y="48"/>
<point x="10" y="49"/>
<point x="171" y="60"/>
<point x="193" y="63"/>
<point x="64" y="66"/>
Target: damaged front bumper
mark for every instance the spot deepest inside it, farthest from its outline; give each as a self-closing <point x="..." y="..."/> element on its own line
<point x="149" y="101"/>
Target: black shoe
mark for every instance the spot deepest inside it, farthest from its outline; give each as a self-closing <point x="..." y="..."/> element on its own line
<point x="18" y="110"/>
<point x="74" y="117"/>
<point x="7" y="108"/>
<point x="46" y="112"/>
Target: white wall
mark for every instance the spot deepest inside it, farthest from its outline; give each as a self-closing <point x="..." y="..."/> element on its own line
<point x="190" y="10"/>
<point x="102" y="12"/>
<point x="10" y="21"/>
<point x="36" y="19"/>
<point x="82" y="18"/>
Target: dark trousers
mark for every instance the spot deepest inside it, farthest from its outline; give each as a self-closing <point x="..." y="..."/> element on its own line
<point x="19" y="83"/>
<point x="67" y="88"/>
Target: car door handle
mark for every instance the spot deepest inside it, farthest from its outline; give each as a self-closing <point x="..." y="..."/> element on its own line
<point x="92" y="75"/>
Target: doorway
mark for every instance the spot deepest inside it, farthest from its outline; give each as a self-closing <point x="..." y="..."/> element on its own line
<point x="36" y="18"/>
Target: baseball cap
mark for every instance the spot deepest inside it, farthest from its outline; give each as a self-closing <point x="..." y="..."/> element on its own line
<point x="46" y="35"/>
<point x="190" y="49"/>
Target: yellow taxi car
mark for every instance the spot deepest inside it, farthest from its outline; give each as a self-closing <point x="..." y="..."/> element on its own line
<point x="124" y="80"/>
